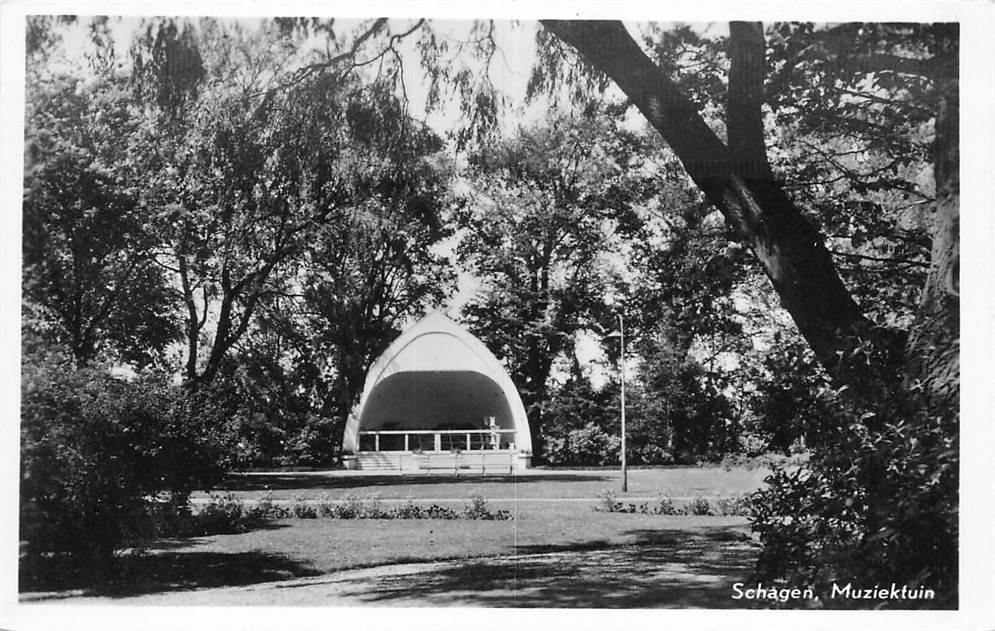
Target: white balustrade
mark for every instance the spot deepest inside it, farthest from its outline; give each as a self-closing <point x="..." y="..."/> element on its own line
<point x="492" y="440"/>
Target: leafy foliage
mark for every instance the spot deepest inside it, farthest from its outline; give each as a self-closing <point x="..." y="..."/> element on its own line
<point x="550" y="205"/>
<point x="95" y="447"/>
<point x="878" y="504"/>
<point x="853" y="139"/>
<point x="793" y="400"/>
<point x="585" y="446"/>
<point x="683" y="402"/>
<point x="168" y="67"/>
<point x="88" y="262"/>
<point x="698" y="505"/>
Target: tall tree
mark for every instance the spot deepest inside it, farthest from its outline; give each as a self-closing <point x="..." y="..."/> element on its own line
<point x="371" y="260"/>
<point x="735" y="179"/>
<point x="88" y="260"/>
<point x="373" y="263"/>
<point x="240" y="173"/>
<point x="548" y="205"/>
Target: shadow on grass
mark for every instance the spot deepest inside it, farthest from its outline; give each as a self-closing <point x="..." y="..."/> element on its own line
<point x="185" y="541"/>
<point x="677" y="569"/>
<point x="163" y="565"/>
<point x="282" y="481"/>
<point x="132" y="575"/>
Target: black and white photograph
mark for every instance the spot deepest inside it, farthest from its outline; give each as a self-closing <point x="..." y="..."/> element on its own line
<point x="471" y="313"/>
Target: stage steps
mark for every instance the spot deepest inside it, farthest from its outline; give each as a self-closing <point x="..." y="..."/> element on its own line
<point x="382" y="460"/>
<point x="478" y="462"/>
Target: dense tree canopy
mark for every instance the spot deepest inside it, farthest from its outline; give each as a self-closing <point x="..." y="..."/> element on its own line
<point x="88" y="262"/>
<point x="544" y="211"/>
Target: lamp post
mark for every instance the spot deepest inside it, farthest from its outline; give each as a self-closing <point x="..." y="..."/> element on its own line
<point x="621" y="364"/>
<point x="621" y="361"/>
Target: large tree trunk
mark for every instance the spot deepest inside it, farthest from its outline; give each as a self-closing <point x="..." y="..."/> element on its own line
<point x="790" y="251"/>
<point x="934" y="345"/>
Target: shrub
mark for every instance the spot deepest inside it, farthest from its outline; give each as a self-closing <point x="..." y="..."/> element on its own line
<point x="315" y="443"/>
<point x="170" y="518"/>
<point x="374" y="509"/>
<point x="325" y="507"/>
<point x="768" y="460"/>
<point x="650" y="454"/>
<point x="410" y="510"/>
<point x="476" y="508"/>
<point x="223" y="514"/>
<point x="665" y="506"/>
<point x="227" y="514"/>
<point x="440" y="512"/>
<point x="698" y="506"/>
<point x="96" y="449"/>
<point x="353" y="507"/>
<point x="265" y="508"/>
<point x="609" y="502"/>
<point x="754" y="444"/>
<point x="877" y="504"/>
<point x="302" y="509"/>
<point x="587" y="446"/>
<point x="733" y="506"/>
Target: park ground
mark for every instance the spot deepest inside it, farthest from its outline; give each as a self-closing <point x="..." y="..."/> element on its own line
<point x="556" y="551"/>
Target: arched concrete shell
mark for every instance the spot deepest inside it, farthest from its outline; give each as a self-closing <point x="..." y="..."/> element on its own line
<point x="436" y="344"/>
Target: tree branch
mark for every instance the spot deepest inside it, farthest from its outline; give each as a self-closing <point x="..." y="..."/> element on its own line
<point x="744" y="117"/>
<point x="790" y="251"/>
<point x="882" y="259"/>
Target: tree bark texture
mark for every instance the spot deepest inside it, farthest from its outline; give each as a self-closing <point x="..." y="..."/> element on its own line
<point x="934" y="345"/>
<point x="744" y="115"/>
<point x="790" y="251"/>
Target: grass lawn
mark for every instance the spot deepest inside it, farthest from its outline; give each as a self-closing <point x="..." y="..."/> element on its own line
<point x="326" y="545"/>
<point x="677" y="482"/>
<point x="296" y="548"/>
<point x="301" y="548"/>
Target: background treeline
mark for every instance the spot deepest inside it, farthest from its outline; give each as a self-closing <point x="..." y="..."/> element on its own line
<point x="225" y="224"/>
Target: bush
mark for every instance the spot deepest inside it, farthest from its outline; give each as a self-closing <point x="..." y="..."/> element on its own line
<point x="95" y="450"/>
<point x="665" y="506"/>
<point x="410" y="510"/>
<point x="588" y="446"/>
<point x="738" y="506"/>
<point x="733" y="506"/>
<point x="609" y="502"/>
<point x="265" y="508"/>
<point x="440" y="512"/>
<point x="315" y="443"/>
<point x="476" y="508"/>
<point x="875" y="505"/>
<point x="698" y="506"/>
<point x="166" y="518"/>
<point x="302" y="509"/>
<point x="768" y="460"/>
<point x="754" y="444"/>
<point x="650" y="454"/>
<point x="223" y="514"/>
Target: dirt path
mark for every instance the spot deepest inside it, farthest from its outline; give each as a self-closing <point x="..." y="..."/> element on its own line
<point x="700" y="574"/>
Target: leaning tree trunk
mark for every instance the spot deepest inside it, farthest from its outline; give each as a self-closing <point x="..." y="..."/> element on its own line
<point x="789" y="249"/>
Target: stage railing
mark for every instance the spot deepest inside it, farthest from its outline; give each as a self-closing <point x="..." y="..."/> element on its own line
<point x="436" y="440"/>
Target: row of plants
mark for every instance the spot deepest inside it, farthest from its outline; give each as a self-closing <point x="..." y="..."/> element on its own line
<point x="226" y="513"/>
<point x="665" y="505"/>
